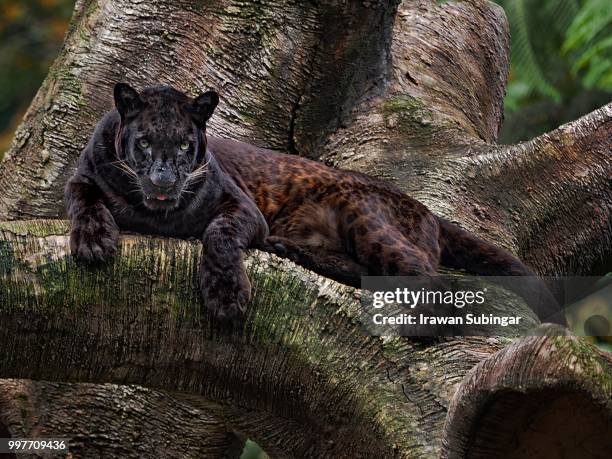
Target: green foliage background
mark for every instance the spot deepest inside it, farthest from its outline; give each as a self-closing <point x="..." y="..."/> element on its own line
<point x="561" y="63"/>
<point x="31" y="33"/>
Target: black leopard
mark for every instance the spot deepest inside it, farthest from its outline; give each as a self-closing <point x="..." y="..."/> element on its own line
<point x="150" y="168"/>
<point x="147" y="169"/>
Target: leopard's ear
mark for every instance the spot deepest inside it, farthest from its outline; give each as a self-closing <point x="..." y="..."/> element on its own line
<point x="127" y="100"/>
<point x="203" y="107"/>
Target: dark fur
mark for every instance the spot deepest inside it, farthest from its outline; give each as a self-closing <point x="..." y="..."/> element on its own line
<point x="345" y="225"/>
<point x="104" y="195"/>
<point x="339" y="223"/>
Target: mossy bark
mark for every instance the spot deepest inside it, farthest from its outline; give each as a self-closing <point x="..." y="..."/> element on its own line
<point x="543" y="396"/>
<point x="304" y="367"/>
<point x="303" y="377"/>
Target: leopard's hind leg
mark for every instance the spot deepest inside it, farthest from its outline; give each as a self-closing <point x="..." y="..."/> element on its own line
<point x="386" y="251"/>
<point x="335" y="265"/>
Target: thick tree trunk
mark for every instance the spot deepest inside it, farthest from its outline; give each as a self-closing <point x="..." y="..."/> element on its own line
<point x="303" y="378"/>
<point x="315" y="383"/>
<point x="411" y="92"/>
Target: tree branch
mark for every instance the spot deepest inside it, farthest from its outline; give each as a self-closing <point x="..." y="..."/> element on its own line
<point x="107" y="420"/>
<point x="318" y="384"/>
<point x="541" y="396"/>
<point x="303" y="378"/>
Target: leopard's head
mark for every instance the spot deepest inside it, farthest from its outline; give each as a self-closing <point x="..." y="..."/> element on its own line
<point x="161" y="142"/>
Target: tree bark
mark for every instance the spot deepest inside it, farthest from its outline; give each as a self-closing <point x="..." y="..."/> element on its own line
<point x="508" y="405"/>
<point x="303" y="378"/>
<point x="109" y="420"/>
<point x="411" y="92"/>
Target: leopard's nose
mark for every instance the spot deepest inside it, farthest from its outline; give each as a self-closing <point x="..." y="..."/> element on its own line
<point x="163" y="179"/>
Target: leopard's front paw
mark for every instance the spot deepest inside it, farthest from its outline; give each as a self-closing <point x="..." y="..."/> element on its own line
<point x="226" y="294"/>
<point x="94" y="236"/>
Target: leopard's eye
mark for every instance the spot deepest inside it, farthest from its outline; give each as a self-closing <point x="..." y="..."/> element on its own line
<point x="142" y="143"/>
<point x="185" y="146"/>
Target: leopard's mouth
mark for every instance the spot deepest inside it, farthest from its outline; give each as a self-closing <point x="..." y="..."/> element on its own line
<point x="160" y="201"/>
<point x="159" y="197"/>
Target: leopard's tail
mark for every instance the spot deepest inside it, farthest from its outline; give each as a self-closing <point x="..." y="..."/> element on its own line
<point x="463" y="250"/>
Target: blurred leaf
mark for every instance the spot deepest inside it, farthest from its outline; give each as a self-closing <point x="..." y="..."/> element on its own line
<point x="589" y="42"/>
<point x="523" y="57"/>
<point x="594" y="17"/>
<point x="253" y="451"/>
<point x="31" y="34"/>
<point x="561" y="63"/>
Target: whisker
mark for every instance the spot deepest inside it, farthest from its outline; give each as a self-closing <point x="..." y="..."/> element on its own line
<point x="198" y="172"/>
<point x="130" y="176"/>
<point x="121" y="210"/>
<point x="123" y="166"/>
<point x="130" y="172"/>
<point x="191" y="178"/>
